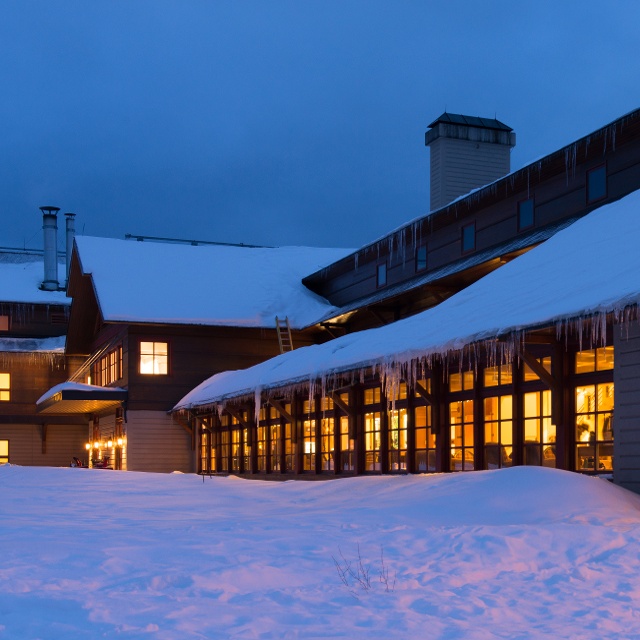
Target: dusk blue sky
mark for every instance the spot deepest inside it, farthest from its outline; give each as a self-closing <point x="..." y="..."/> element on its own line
<point x="282" y="123"/>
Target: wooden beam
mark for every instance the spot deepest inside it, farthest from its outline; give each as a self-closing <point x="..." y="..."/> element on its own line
<point x="539" y="370"/>
<point x="185" y="424"/>
<point x="423" y="393"/>
<point x="238" y="416"/>
<point x="342" y="405"/>
<point x="281" y="410"/>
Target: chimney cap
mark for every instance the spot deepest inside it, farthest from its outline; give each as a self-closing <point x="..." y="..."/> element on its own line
<point x="70" y="215"/>
<point x="470" y="121"/>
<point x="50" y="210"/>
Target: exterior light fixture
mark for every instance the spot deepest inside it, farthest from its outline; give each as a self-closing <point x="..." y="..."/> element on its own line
<point x="87" y="446"/>
<point x="119" y="442"/>
<point x="96" y="445"/>
<point x="110" y="444"/>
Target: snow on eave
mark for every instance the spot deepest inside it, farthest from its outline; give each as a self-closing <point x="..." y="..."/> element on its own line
<point x="558" y="283"/>
<point x="32" y="345"/>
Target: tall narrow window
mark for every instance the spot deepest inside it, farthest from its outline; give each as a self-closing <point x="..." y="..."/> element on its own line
<point x="421" y="258"/>
<point x="525" y="214"/>
<point x="4" y="451"/>
<point x="5" y="387"/>
<point x="469" y="237"/>
<point x="154" y="358"/>
<point x="372" y="428"/>
<point x="597" y="184"/>
<point x="381" y="275"/>
<point x="498" y="432"/>
<point x="461" y="422"/>
<point x="4" y="323"/>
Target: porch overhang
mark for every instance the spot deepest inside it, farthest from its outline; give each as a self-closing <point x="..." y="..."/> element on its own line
<point x="74" y="398"/>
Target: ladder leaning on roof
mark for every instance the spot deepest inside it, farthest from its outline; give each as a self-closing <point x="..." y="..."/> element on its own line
<point x="284" y="334"/>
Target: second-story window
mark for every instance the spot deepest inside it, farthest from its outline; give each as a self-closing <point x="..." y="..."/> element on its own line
<point x="4" y="323"/>
<point x="597" y="184"/>
<point x="109" y="368"/>
<point x="154" y="358"/>
<point x="525" y="214"/>
<point x="381" y="275"/>
<point x="421" y="258"/>
<point x="469" y="237"/>
<point x="5" y="387"/>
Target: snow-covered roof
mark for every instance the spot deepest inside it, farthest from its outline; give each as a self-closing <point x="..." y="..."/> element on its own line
<point x="592" y="267"/>
<point x="21" y="275"/>
<point x="33" y="345"/>
<point x="204" y="284"/>
<point x="79" y="387"/>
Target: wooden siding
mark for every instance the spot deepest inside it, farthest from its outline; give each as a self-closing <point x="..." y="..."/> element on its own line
<point x="557" y="184"/>
<point x="626" y="422"/>
<point x="458" y="166"/>
<point x="156" y="442"/>
<point x="35" y="320"/>
<point x="195" y="354"/>
<point x="62" y="442"/>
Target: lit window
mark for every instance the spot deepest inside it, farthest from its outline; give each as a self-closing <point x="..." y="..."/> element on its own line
<point x="525" y="214"/>
<point x="5" y="387"/>
<point x="469" y="237"/>
<point x="498" y="432"/>
<point x="4" y="451"/>
<point x="381" y="276"/>
<point x="496" y="376"/>
<point x="461" y="381"/>
<point x="597" y="184"/>
<point x="154" y="358"/>
<point x="421" y="258"/>
<point x="600" y="359"/>
<point x="4" y="323"/>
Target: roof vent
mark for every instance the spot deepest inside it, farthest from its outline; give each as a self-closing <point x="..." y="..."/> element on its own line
<point x="50" y="228"/>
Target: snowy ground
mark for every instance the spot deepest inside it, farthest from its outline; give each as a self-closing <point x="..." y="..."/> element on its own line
<point x="520" y="553"/>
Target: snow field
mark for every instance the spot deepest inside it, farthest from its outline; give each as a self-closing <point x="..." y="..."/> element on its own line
<point x="518" y="553"/>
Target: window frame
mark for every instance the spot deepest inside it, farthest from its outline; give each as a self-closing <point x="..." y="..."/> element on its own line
<point x="421" y="261"/>
<point x="590" y="172"/>
<point x="523" y="227"/>
<point x="5" y="459"/>
<point x="168" y="357"/>
<point x="381" y="269"/>
<point x="6" y="389"/>
<point x="463" y="235"/>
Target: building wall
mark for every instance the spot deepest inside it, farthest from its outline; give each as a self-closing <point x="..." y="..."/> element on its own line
<point x="627" y="413"/>
<point x="62" y="443"/>
<point x="156" y="442"/>
<point x="458" y="166"/>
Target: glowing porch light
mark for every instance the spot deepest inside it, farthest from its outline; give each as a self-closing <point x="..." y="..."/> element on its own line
<point x="120" y="442"/>
<point x="109" y="443"/>
<point x="87" y="446"/>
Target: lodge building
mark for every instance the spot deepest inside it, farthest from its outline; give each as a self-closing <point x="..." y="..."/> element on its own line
<point x="386" y="374"/>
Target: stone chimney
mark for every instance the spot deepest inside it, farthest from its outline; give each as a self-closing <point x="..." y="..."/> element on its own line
<point x="466" y="153"/>
<point x="50" y="228"/>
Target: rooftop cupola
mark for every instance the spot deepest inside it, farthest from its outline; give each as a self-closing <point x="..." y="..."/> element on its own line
<point x="466" y="153"/>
